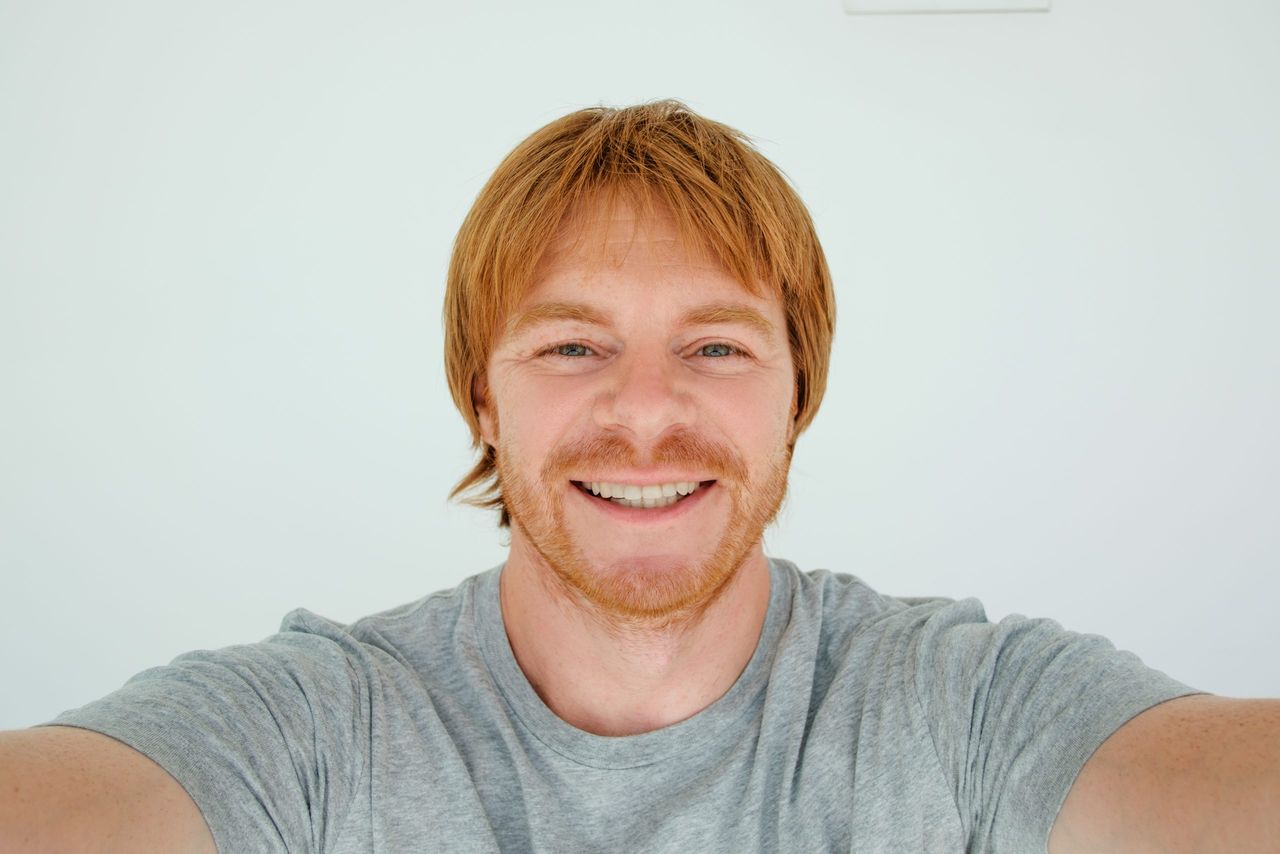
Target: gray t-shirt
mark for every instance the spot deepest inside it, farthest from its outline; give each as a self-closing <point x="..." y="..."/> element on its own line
<point x="862" y="722"/>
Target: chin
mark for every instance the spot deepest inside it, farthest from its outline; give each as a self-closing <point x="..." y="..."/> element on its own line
<point x="644" y="569"/>
<point x="657" y="589"/>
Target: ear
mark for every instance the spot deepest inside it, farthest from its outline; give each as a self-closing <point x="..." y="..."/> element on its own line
<point x="485" y="413"/>
<point x="794" y="432"/>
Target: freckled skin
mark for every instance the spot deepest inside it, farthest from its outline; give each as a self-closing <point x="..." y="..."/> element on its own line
<point x="709" y="398"/>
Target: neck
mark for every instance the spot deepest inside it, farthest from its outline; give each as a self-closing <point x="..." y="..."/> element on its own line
<point x="614" y="677"/>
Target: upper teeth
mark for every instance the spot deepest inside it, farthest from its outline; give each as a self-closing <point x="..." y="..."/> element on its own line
<point x="633" y="491"/>
<point x="649" y="495"/>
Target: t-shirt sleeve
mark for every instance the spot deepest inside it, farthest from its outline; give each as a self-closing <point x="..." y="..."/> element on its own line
<point x="269" y="739"/>
<point x="1015" y="710"/>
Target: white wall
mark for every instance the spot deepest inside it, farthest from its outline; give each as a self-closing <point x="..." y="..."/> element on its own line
<point x="224" y="230"/>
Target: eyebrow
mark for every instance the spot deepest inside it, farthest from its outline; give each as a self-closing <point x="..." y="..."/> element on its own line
<point x="703" y="315"/>
<point x="707" y="315"/>
<point x="547" y="312"/>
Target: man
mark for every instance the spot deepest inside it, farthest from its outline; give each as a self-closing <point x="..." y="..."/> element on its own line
<point x="638" y="323"/>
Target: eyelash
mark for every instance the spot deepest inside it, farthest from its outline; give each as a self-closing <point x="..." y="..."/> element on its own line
<point x="554" y="350"/>
<point x="734" y="352"/>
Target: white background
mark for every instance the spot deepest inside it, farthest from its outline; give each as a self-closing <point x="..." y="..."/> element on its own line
<point x="224" y="230"/>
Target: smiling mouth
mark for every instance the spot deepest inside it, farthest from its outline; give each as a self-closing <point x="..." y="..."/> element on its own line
<point x="649" y="496"/>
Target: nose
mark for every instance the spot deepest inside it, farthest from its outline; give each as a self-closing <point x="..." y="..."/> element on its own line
<point x="646" y="397"/>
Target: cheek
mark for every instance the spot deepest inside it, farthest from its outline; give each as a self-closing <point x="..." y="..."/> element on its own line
<point x="756" y="418"/>
<point x="534" y="417"/>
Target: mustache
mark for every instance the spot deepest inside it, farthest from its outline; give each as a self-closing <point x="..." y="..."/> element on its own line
<point x="683" y="449"/>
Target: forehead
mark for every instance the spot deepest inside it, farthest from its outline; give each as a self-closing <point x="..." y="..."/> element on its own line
<point x="604" y="249"/>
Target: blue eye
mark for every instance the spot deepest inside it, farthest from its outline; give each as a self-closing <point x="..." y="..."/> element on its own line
<point x="717" y="351"/>
<point x="571" y="350"/>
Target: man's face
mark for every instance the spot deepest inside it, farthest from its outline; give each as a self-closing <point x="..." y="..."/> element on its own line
<point x="638" y="370"/>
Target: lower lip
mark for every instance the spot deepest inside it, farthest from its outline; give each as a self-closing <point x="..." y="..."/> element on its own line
<point x="646" y="515"/>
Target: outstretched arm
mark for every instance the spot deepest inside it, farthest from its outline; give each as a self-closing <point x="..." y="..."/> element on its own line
<point x="65" y="789"/>
<point x="1196" y="774"/>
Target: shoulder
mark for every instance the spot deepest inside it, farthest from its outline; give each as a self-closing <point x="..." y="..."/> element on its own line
<point x="311" y="655"/>
<point x="937" y="640"/>
<point x="434" y="622"/>
<point x="846" y="607"/>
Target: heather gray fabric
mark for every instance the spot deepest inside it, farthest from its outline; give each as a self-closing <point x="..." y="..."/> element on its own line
<point x="862" y="722"/>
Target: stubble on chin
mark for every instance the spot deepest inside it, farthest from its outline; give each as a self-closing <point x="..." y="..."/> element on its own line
<point x="637" y="595"/>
